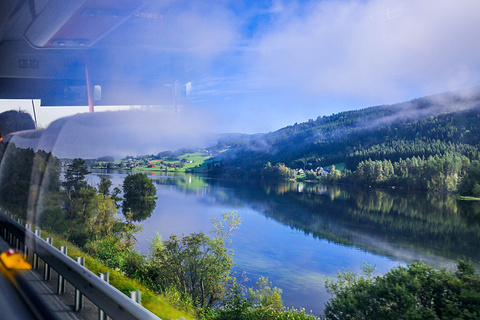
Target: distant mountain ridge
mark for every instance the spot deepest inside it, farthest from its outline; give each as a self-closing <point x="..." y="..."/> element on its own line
<point x="442" y="119"/>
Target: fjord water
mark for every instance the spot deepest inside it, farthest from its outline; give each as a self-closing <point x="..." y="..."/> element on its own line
<point x="298" y="235"/>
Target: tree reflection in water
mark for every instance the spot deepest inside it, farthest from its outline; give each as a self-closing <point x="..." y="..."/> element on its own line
<point x="383" y="221"/>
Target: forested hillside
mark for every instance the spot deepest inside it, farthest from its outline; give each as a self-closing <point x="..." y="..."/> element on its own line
<point x="429" y="142"/>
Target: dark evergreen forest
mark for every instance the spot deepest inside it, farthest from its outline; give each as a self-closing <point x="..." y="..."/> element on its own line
<point x="426" y="143"/>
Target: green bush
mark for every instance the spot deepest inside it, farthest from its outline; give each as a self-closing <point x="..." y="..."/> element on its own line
<point x="262" y="304"/>
<point x="109" y="250"/>
<point x="257" y="313"/>
<point x="416" y="291"/>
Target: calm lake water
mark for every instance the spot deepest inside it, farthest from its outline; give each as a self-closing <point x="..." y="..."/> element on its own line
<point x="298" y="235"/>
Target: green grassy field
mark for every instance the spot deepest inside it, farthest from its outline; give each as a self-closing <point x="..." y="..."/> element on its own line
<point x="197" y="163"/>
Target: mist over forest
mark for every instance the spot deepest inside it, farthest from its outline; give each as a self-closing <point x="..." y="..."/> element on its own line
<point x="439" y="131"/>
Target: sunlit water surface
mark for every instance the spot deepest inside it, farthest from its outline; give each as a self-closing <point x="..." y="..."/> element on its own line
<point x="299" y="235"/>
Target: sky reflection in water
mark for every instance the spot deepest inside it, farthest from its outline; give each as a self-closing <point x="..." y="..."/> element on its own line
<point x="294" y="261"/>
<point x="299" y="235"/>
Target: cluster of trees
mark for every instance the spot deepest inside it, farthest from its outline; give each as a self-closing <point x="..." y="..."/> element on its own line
<point x="277" y="173"/>
<point x="197" y="266"/>
<point x="438" y="172"/>
<point x="452" y="172"/>
<point x="470" y="185"/>
<point x="416" y="131"/>
<point x="85" y="214"/>
<point x="412" y="292"/>
<point x="81" y="213"/>
<point x="404" y="149"/>
<point x="25" y="176"/>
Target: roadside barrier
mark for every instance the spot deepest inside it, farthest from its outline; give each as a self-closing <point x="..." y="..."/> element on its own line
<point x="108" y="299"/>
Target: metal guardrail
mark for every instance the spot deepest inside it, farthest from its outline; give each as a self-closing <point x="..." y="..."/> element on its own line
<point x="107" y="298"/>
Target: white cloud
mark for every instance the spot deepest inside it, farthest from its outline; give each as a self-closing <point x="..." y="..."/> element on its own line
<point x="373" y="49"/>
<point x="205" y="29"/>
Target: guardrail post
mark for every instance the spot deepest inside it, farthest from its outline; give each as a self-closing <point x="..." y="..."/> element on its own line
<point x="35" y="256"/>
<point x="78" y="294"/>
<point x="101" y="314"/>
<point x="47" y="272"/>
<point x="61" y="280"/>
<point x="136" y="296"/>
<point x="10" y="235"/>
<point x="28" y="227"/>
<point x="17" y="241"/>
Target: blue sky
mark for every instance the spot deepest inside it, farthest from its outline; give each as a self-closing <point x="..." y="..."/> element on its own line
<point x="267" y="64"/>
<point x="257" y="66"/>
